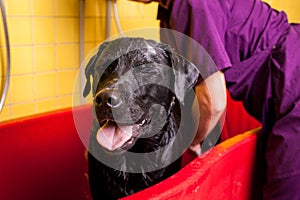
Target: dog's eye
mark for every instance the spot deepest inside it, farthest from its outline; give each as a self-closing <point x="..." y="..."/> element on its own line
<point x="98" y="100"/>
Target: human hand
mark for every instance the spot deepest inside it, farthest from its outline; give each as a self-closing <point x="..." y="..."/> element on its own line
<point x="196" y="149"/>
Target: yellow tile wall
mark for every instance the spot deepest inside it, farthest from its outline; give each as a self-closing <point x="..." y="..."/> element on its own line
<point x="291" y="7"/>
<point x="44" y="37"/>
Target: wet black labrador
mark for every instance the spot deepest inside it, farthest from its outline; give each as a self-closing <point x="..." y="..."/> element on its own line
<point x="143" y="92"/>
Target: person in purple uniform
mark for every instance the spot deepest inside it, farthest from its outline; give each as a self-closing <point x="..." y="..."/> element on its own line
<point x="258" y="51"/>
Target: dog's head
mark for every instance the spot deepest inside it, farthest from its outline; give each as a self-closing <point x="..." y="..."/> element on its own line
<point x="136" y="83"/>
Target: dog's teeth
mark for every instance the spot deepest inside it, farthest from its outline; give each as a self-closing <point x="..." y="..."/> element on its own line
<point x="130" y="141"/>
<point x="143" y="122"/>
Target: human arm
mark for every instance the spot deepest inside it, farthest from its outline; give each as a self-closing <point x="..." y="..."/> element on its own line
<point x="211" y="100"/>
<point x="208" y="31"/>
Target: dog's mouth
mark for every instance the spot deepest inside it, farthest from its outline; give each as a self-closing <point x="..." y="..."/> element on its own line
<point x="113" y="136"/>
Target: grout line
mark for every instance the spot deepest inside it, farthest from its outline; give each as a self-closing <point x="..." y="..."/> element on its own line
<point x="45" y="72"/>
<point x="44" y="44"/>
<point x="56" y="55"/>
<point x="33" y="58"/>
<point x="43" y="16"/>
<point x="41" y="99"/>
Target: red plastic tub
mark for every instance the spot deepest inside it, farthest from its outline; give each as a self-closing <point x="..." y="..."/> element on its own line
<point x="229" y="171"/>
<point x="42" y="157"/>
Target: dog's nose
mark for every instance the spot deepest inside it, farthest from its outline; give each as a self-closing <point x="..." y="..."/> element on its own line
<point x="108" y="97"/>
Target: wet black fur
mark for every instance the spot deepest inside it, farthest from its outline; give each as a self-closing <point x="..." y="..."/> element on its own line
<point x="108" y="183"/>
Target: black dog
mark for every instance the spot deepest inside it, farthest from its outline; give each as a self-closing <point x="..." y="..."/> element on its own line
<point x="143" y="93"/>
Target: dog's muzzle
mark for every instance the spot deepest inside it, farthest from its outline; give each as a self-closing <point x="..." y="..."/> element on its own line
<point x="117" y="128"/>
<point x="109" y="98"/>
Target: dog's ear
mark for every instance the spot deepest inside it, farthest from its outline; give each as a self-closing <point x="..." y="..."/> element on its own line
<point x="186" y="75"/>
<point x="89" y="70"/>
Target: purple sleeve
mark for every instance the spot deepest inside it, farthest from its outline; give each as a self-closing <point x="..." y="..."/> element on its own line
<point x="204" y="22"/>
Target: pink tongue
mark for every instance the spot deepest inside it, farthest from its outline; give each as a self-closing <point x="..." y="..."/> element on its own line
<point x="111" y="137"/>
